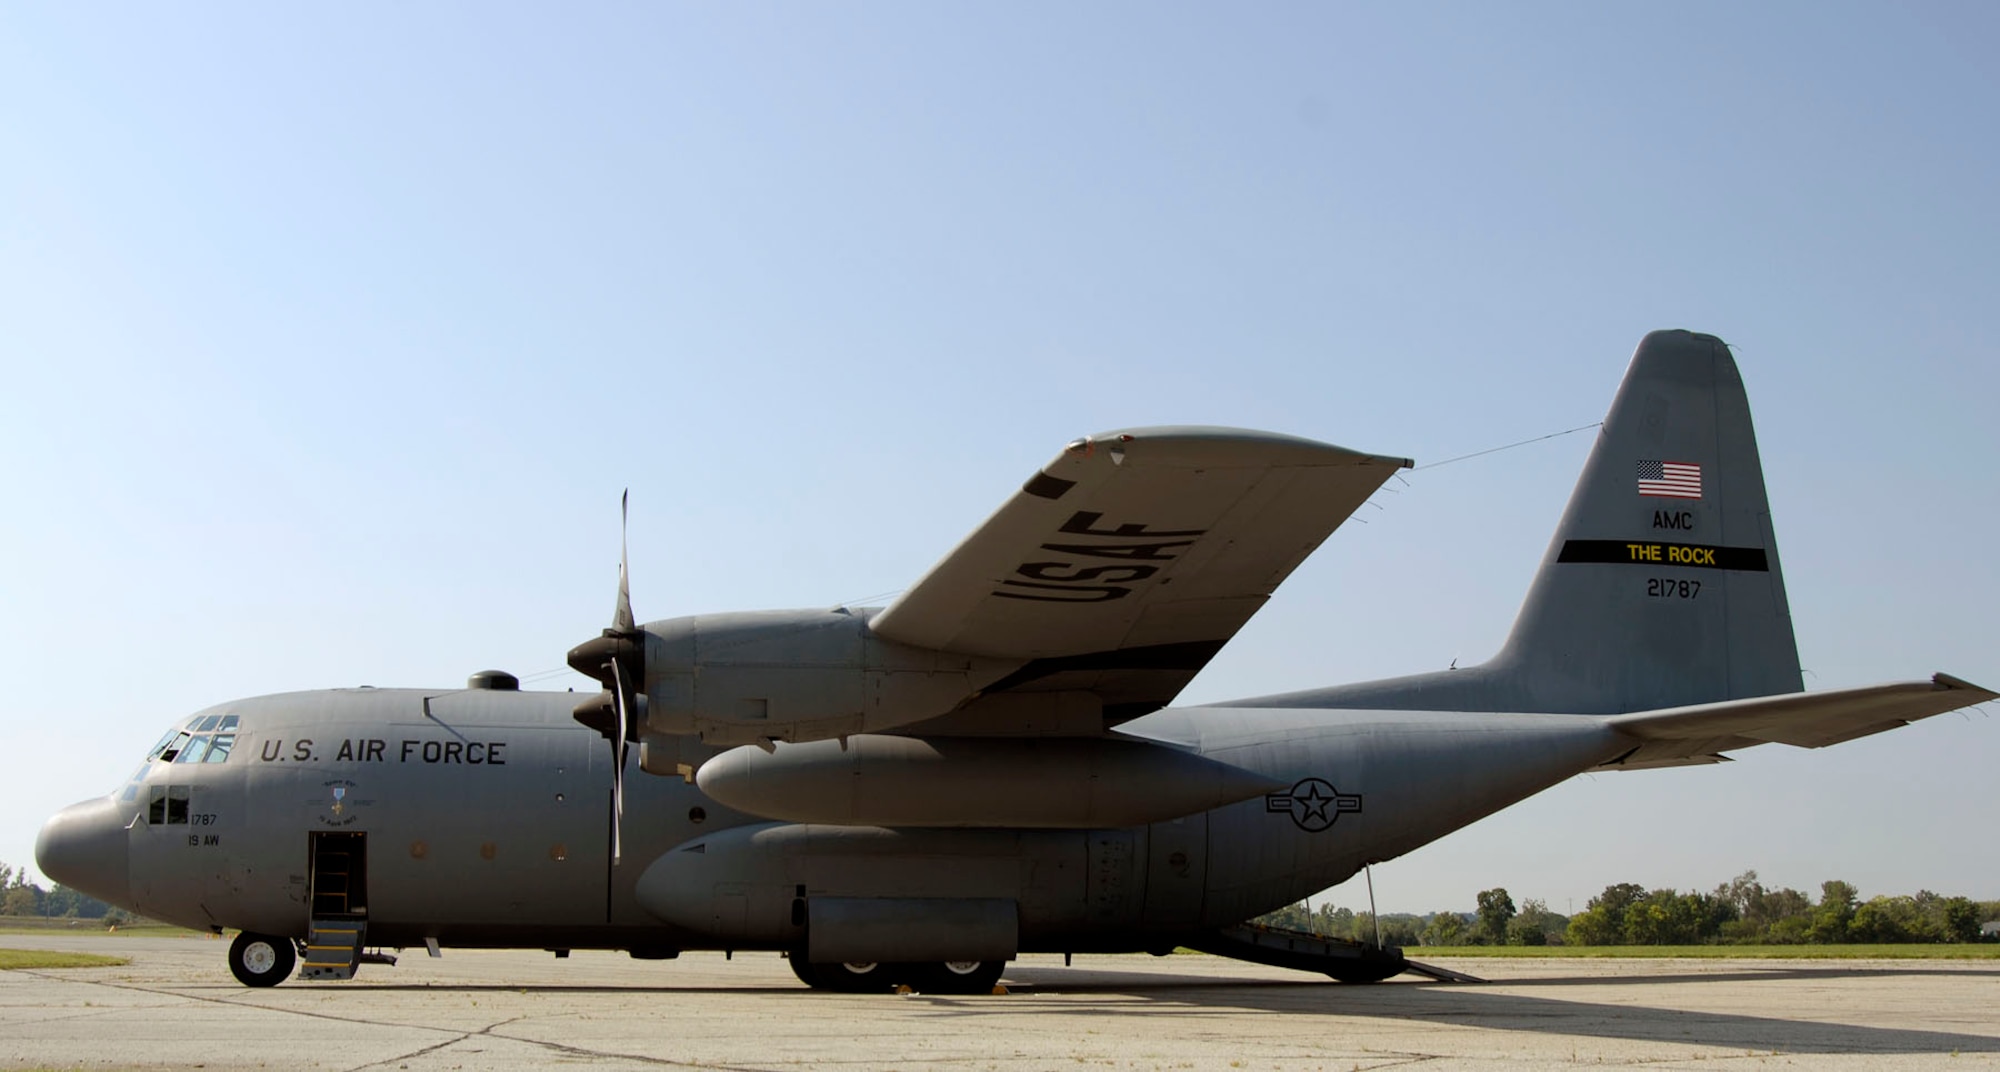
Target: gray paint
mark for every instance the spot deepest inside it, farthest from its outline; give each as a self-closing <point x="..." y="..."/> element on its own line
<point x="1591" y="638"/>
<point x="872" y="780"/>
<point x="905" y="929"/>
<point x="1000" y="816"/>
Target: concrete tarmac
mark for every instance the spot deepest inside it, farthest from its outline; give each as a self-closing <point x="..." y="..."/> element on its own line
<point x="176" y="1006"/>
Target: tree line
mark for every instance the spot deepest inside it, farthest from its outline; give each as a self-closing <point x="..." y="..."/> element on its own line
<point x="1741" y="911"/>
<point x="19" y="897"/>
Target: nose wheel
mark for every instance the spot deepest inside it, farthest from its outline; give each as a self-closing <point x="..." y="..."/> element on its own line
<point x="261" y="960"/>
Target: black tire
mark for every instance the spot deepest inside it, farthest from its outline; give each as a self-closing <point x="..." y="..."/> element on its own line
<point x="261" y="960"/>
<point x="1373" y="967"/>
<point x="957" y="976"/>
<point x="844" y="978"/>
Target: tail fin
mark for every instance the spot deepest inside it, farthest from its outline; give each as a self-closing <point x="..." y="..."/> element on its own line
<point x="1661" y="587"/>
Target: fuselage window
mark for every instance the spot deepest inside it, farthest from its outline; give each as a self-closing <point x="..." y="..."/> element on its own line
<point x="193" y="751"/>
<point x="218" y="748"/>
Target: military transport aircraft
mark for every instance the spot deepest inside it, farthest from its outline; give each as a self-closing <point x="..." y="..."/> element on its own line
<point x="988" y="766"/>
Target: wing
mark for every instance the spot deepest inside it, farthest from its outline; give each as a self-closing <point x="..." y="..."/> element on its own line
<point x="1124" y="564"/>
<point x="1688" y="735"/>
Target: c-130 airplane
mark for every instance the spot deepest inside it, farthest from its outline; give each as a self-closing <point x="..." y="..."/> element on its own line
<point x="914" y="795"/>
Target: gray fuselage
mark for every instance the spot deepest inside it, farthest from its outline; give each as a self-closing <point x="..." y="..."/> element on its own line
<point x="487" y="822"/>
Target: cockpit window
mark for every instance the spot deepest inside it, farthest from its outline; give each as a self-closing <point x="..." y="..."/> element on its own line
<point x="181" y="745"/>
<point x="171" y="748"/>
<point x="160" y="746"/>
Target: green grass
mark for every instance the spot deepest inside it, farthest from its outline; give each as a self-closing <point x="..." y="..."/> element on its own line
<point x="143" y="928"/>
<point x="1967" y="951"/>
<point x="11" y="959"/>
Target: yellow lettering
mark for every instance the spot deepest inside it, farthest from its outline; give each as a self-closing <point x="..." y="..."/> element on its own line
<point x="1691" y="556"/>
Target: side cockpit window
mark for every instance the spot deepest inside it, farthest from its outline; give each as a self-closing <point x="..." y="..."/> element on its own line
<point x="165" y="743"/>
<point x="168" y="806"/>
<point x="173" y="746"/>
<point x="133" y="784"/>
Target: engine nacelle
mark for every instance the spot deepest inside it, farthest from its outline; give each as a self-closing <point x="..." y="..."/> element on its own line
<point x="796" y="675"/>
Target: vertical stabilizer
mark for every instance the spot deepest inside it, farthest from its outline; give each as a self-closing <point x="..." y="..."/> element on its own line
<point x="1662" y="586"/>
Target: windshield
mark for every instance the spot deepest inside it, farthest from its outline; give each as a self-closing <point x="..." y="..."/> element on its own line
<point x="201" y="739"/>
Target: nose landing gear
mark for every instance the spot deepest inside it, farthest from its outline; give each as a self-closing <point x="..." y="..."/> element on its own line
<point x="261" y="960"/>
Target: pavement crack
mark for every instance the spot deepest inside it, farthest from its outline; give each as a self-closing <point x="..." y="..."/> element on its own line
<point x="663" y="1062"/>
<point x="419" y="1052"/>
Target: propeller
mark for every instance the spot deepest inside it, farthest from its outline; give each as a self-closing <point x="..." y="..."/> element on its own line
<point x="617" y="659"/>
<point x="618" y="746"/>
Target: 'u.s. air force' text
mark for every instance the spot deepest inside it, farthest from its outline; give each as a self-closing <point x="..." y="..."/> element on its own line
<point x="376" y="750"/>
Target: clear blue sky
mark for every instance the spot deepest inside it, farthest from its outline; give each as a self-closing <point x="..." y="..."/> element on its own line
<point x="330" y="335"/>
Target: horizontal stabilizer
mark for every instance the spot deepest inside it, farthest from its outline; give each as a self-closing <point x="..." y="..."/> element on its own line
<point x="1683" y="735"/>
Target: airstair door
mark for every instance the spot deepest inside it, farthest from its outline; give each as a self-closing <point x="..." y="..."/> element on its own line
<point x="339" y="884"/>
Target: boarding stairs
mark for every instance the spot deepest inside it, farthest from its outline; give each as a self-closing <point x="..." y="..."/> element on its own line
<point x="333" y="948"/>
<point x="339" y="921"/>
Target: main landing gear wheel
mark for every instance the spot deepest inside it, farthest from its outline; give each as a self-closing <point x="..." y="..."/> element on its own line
<point x="1369" y="969"/>
<point x="958" y="976"/>
<point x="261" y="960"/>
<point x="947" y="977"/>
<point x="849" y="978"/>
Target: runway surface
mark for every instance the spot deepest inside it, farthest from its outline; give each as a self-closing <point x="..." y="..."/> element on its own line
<point x="176" y="1006"/>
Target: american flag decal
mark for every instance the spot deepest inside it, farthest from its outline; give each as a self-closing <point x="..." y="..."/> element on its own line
<point x="1670" y="480"/>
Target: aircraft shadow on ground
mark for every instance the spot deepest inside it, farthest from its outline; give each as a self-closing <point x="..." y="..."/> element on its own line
<point x="1744" y="975"/>
<point x="1471" y="1006"/>
<point x="1480" y="1007"/>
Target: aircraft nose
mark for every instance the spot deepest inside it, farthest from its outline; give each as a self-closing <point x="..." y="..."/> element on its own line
<point x="84" y="848"/>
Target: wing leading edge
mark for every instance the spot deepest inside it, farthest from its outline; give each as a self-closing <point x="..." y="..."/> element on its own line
<point x="1126" y="562"/>
<point x="1690" y="735"/>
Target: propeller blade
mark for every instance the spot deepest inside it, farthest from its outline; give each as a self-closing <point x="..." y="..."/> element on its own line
<point x="618" y="769"/>
<point x="621" y="616"/>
